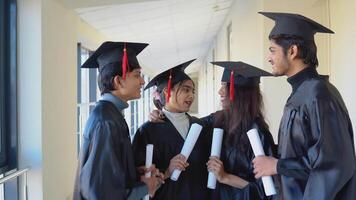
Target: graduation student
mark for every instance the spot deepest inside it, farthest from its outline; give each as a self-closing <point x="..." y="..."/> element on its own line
<point x="242" y="104"/>
<point x="106" y="165"/>
<point x="316" y="154"/>
<point x="174" y="95"/>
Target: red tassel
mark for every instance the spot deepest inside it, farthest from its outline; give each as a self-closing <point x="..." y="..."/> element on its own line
<point x="124" y="63"/>
<point x="169" y="86"/>
<point x="232" y="86"/>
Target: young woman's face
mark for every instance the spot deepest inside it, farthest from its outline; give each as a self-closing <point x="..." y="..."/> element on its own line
<point x="182" y="97"/>
<point x="224" y="98"/>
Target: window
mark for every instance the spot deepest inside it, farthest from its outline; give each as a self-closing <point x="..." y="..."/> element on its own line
<point x="139" y="109"/>
<point x="8" y="124"/>
<point x="8" y="95"/>
<point x="87" y="91"/>
<point x="214" y="81"/>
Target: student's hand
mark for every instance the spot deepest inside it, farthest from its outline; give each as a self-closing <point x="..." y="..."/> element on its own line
<point x="152" y="183"/>
<point x="156" y="116"/>
<point x="264" y="166"/>
<point x="177" y="162"/>
<point x="159" y="175"/>
<point x="142" y="170"/>
<point x="216" y="166"/>
<point x="154" y="172"/>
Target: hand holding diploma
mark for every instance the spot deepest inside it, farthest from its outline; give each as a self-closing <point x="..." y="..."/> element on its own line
<point x="149" y="156"/>
<point x="215" y="151"/>
<point x="188" y="146"/>
<point x="258" y="151"/>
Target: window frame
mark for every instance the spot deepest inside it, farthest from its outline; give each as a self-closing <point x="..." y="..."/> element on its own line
<point x="8" y="85"/>
<point x="229" y="41"/>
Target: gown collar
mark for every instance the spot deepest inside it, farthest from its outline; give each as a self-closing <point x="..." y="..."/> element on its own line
<point x="173" y="115"/>
<point x="297" y="79"/>
<point x="119" y="104"/>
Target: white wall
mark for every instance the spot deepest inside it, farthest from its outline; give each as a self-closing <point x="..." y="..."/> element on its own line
<point x="59" y="62"/>
<point x="29" y="94"/>
<point x="208" y="100"/>
<point x="48" y="36"/>
<point x="246" y="46"/>
<point x="343" y="52"/>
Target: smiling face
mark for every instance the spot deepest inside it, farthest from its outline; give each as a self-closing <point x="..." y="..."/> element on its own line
<point x="182" y="97"/>
<point x="224" y="98"/>
<point x="278" y="60"/>
<point x="130" y="88"/>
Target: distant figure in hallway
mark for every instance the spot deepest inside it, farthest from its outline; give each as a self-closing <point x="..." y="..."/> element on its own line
<point x="316" y="146"/>
<point x="106" y="168"/>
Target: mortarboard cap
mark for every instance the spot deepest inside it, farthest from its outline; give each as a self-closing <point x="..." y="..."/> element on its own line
<point x="121" y="54"/>
<point x="240" y="74"/>
<point x="170" y="77"/>
<point x="294" y="24"/>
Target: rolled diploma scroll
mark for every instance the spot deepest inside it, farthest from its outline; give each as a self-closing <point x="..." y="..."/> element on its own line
<point x="215" y="151"/>
<point x="188" y="146"/>
<point x="149" y="155"/>
<point x="257" y="148"/>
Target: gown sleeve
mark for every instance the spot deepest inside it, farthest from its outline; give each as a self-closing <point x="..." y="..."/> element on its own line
<point x="254" y="189"/>
<point x="139" y="143"/>
<point x="329" y="162"/>
<point x="139" y="147"/>
<point x="208" y="122"/>
<point x="103" y="176"/>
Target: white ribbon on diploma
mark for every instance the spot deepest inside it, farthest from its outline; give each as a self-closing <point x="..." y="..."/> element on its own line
<point x="257" y="148"/>
<point x="215" y="151"/>
<point x="188" y="146"/>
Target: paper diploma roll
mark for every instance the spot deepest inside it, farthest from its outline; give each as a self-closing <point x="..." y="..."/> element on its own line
<point x="188" y="146"/>
<point x="257" y="148"/>
<point x="149" y="155"/>
<point x="215" y="151"/>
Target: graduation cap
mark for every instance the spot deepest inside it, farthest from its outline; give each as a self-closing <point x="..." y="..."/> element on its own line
<point x="295" y="24"/>
<point x="240" y="74"/>
<point x="169" y="78"/>
<point x="121" y="54"/>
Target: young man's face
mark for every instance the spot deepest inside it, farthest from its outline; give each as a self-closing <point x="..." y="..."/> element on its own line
<point x="132" y="85"/>
<point x="278" y="59"/>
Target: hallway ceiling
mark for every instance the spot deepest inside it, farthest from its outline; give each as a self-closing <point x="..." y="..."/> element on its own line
<point x="177" y="30"/>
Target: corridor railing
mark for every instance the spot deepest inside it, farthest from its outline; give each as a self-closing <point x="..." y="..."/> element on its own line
<point x="16" y="174"/>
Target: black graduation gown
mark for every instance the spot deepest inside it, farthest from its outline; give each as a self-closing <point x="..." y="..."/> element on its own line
<point x="317" y="156"/>
<point x="106" y="168"/>
<point x="192" y="183"/>
<point x="239" y="163"/>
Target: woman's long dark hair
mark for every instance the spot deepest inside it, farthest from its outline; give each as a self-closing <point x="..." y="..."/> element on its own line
<point x="239" y="116"/>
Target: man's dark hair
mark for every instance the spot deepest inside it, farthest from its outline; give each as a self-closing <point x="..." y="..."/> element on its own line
<point x="307" y="50"/>
<point x="107" y="74"/>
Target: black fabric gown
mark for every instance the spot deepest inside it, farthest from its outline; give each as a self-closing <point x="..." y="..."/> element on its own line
<point x="106" y="166"/>
<point x="316" y="148"/>
<point x="239" y="163"/>
<point x="192" y="183"/>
